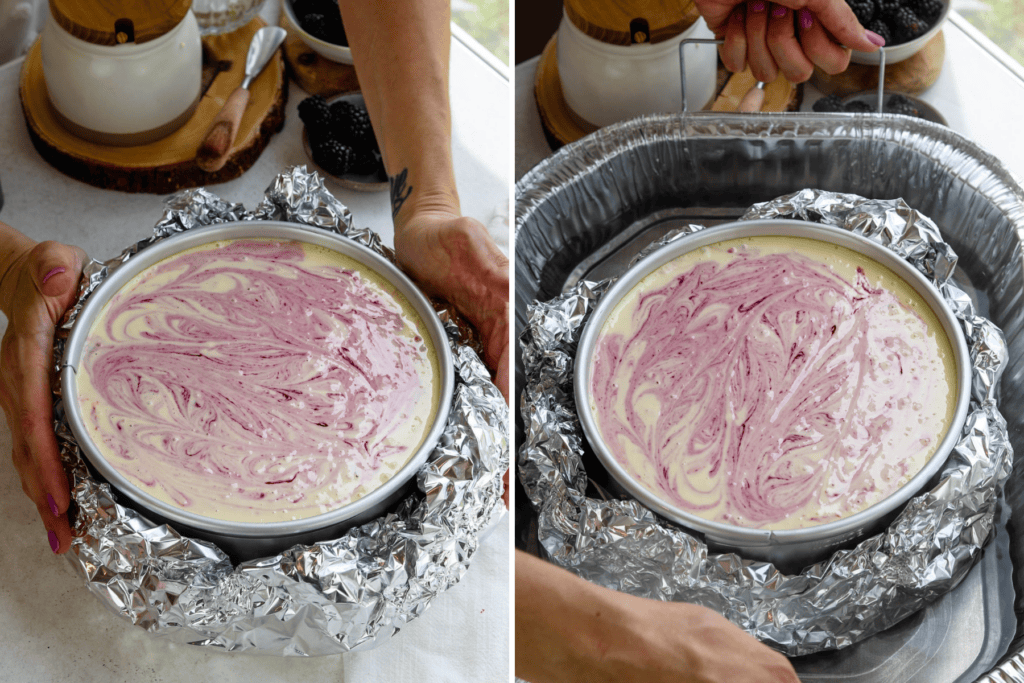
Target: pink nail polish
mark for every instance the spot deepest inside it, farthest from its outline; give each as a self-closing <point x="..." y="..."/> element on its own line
<point x="53" y="505"/>
<point x="56" y="271"/>
<point x="757" y="6"/>
<point x="779" y="11"/>
<point x="806" y="19"/>
<point x="54" y="543"/>
<point x="875" y="38"/>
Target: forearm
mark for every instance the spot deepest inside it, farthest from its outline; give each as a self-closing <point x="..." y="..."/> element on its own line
<point x="13" y="246"/>
<point x="400" y="49"/>
<point x="558" y="618"/>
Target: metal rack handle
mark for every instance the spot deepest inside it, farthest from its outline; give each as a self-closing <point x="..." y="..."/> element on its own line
<point x="719" y="41"/>
<point x="682" y="60"/>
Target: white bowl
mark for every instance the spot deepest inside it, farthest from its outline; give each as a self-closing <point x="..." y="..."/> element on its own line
<point x="123" y="94"/>
<point x="605" y="83"/>
<point x="897" y="53"/>
<point x="335" y="53"/>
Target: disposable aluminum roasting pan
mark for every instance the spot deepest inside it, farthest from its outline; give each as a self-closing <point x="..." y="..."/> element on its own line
<point x="584" y="213"/>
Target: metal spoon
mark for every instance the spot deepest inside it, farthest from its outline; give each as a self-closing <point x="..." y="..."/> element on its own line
<point x="213" y="152"/>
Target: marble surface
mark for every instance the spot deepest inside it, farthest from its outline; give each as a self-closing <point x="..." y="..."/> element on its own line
<point x="51" y="627"/>
<point x="980" y="95"/>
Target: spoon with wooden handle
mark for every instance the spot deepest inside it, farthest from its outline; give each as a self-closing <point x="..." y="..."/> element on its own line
<point x="213" y="152"/>
<point x="753" y="100"/>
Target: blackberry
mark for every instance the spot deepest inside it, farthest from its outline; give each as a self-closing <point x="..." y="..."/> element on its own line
<point x="333" y="156"/>
<point x="908" y="25"/>
<point x="353" y="123"/>
<point x="316" y="26"/>
<point x="321" y="19"/>
<point x="368" y="163"/>
<point x="304" y="7"/>
<point x="929" y="10"/>
<point x="882" y="29"/>
<point x="316" y="114"/>
<point x="887" y="9"/>
<point x="829" y="103"/>
<point x="864" y="10"/>
<point x="898" y="104"/>
<point x="859" y="107"/>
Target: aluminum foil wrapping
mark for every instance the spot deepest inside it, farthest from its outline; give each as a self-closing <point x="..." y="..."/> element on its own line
<point x="925" y="552"/>
<point x="327" y="598"/>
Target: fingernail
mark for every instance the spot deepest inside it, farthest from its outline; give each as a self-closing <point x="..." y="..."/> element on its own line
<point x="757" y="6"/>
<point x="875" y="38"/>
<point x="53" y="505"/>
<point x="56" y="271"/>
<point x="806" y="19"/>
<point x="54" y="543"/>
<point x="778" y="11"/>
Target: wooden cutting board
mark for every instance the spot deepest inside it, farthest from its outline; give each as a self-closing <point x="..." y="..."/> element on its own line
<point x="168" y="164"/>
<point x="912" y="76"/>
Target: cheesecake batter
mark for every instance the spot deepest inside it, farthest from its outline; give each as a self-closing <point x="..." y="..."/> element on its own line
<point x="258" y="380"/>
<point x="773" y="382"/>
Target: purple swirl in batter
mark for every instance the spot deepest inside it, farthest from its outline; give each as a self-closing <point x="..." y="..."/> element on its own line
<point x="252" y="383"/>
<point x="768" y="392"/>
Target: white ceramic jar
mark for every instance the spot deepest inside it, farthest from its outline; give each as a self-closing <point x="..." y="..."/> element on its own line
<point x="127" y="94"/>
<point x="605" y="83"/>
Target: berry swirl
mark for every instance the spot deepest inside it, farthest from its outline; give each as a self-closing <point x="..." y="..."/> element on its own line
<point x="760" y="388"/>
<point x="253" y="380"/>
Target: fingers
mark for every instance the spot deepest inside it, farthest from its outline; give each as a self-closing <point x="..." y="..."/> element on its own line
<point x="734" y="51"/>
<point x="55" y="520"/>
<point x="45" y="285"/>
<point x="501" y="373"/>
<point x="818" y="45"/>
<point x="58" y="529"/>
<point x="839" y="20"/>
<point x="762" y="63"/>
<point x="785" y="48"/>
<point x="504" y="496"/>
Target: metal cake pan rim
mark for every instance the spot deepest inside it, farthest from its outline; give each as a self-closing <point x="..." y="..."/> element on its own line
<point x="255" y="230"/>
<point x="859" y="523"/>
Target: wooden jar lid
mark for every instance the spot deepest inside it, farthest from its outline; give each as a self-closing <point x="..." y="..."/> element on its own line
<point x="112" y="22"/>
<point x="623" y="22"/>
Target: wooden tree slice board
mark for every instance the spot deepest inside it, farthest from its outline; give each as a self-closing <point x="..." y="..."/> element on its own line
<point x="779" y="95"/>
<point x="315" y="74"/>
<point x="912" y="76"/>
<point x="563" y="125"/>
<point x="168" y="164"/>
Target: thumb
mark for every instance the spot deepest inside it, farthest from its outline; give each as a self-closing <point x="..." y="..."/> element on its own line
<point x="56" y="269"/>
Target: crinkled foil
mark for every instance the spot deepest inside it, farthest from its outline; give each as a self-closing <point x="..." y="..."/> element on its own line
<point x="926" y="551"/>
<point x="327" y="598"/>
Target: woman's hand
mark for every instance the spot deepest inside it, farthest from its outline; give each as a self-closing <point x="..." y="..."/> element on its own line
<point x="768" y="37"/>
<point x="453" y="257"/>
<point x="568" y="629"/>
<point x="38" y="285"/>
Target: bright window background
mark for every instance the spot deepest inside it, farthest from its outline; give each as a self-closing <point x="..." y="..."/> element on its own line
<point x="1001" y="20"/>
<point x="485" y="20"/>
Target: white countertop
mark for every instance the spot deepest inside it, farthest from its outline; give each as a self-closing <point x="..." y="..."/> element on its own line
<point x="979" y="93"/>
<point x="51" y="627"/>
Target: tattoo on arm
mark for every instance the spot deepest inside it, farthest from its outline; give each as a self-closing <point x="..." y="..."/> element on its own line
<point x="399" y="191"/>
